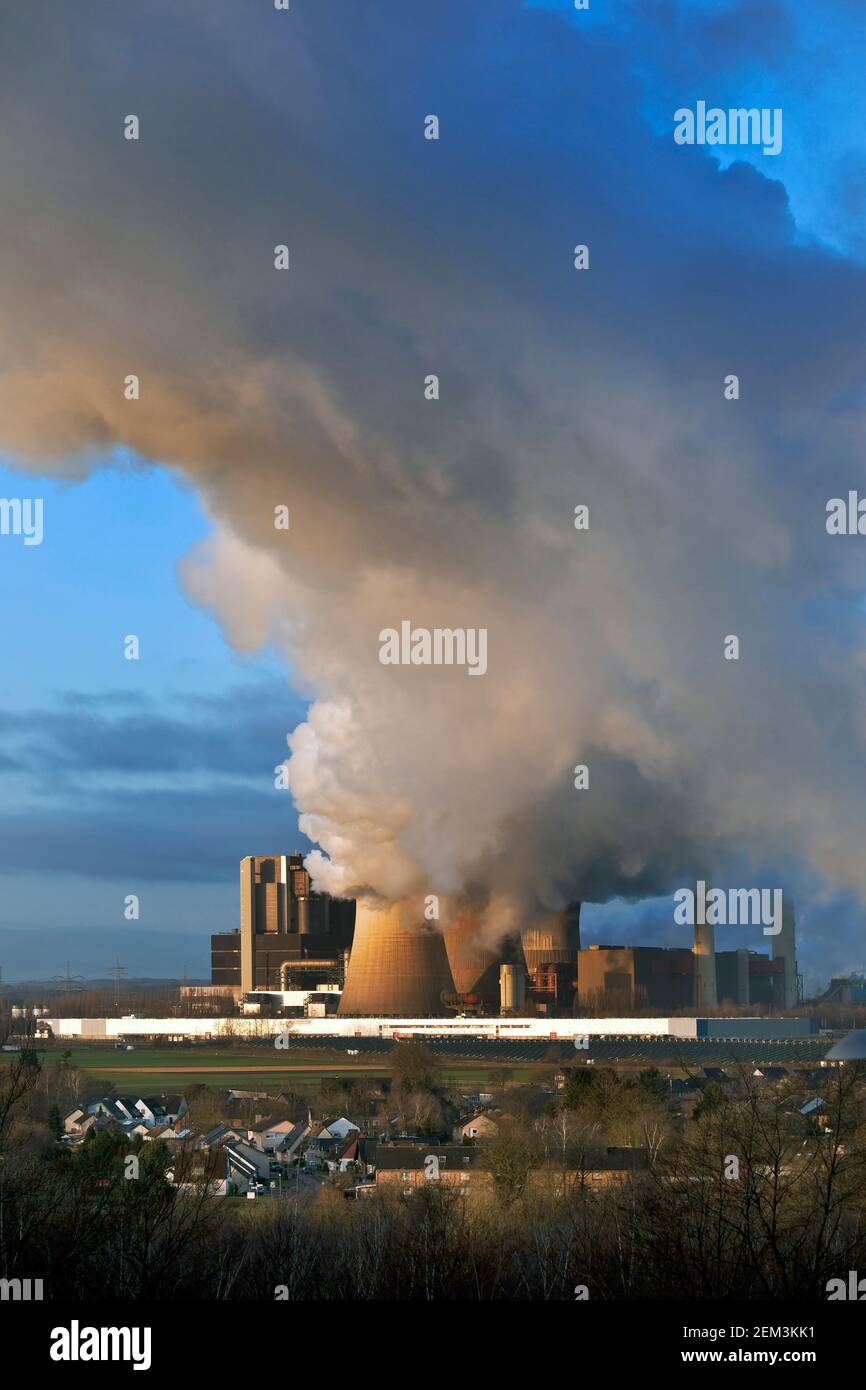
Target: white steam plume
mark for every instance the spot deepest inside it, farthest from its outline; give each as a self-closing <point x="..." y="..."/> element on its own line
<point x="305" y="389"/>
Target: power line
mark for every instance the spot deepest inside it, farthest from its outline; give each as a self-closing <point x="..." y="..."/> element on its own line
<point x="68" y="982"/>
<point x="118" y="973"/>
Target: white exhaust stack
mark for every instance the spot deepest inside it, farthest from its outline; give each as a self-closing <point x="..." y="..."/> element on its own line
<point x="704" y="951"/>
<point x="785" y="950"/>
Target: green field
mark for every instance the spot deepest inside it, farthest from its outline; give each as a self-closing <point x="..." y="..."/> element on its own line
<point x="254" y="1068"/>
<point x="301" y="1067"/>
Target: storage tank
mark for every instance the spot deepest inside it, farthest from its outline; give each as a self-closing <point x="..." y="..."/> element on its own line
<point x="303" y="916"/>
<point x="512" y="989"/>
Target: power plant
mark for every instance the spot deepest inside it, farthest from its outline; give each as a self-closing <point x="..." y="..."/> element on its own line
<point x="288" y="934"/>
<point x="308" y="952"/>
<point x="617" y="978"/>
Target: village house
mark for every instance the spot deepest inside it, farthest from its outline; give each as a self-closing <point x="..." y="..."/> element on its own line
<point x="482" y="1125"/>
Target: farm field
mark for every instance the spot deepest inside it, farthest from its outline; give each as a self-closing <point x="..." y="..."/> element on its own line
<point x="302" y="1066"/>
<point x="253" y="1068"/>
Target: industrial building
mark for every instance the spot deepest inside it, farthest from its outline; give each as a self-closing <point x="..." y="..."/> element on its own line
<point x="619" y="979"/>
<point x="568" y="1029"/>
<point x="289" y="937"/>
<point x="624" y="978"/>
<point x="845" y="989"/>
<point x="551" y="949"/>
<point x="387" y="963"/>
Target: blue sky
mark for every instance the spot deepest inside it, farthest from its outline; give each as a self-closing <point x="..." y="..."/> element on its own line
<point x="152" y="776"/>
<point x="804" y="58"/>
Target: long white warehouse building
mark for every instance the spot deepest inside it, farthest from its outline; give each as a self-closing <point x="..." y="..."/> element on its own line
<point x="550" y="1028"/>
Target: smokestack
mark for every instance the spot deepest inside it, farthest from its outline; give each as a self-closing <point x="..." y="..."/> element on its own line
<point x="785" y="949"/>
<point x="704" y="952"/>
<point x="743" y="977"/>
<point x="395" y="970"/>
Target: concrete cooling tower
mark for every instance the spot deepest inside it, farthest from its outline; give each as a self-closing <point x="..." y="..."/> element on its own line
<point x="555" y="940"/>
<point x="474" y="965"/>
<point x="395" y="969"/>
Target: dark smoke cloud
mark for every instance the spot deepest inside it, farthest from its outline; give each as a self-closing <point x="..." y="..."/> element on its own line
<point x="558" y="388"/>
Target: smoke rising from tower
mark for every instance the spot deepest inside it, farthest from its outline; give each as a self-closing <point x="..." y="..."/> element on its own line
<point x="266" y="389"/>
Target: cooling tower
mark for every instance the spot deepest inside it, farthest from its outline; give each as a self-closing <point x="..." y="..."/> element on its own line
<point x="704" y="951"/>
<point x="555" y="940"/>
<point x="395" y="970"/>
<point x="474" y="965"/>
<point x="784" y="949"/>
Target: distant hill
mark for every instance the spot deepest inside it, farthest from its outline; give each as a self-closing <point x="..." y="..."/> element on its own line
<point x="129" y="981"/>
<point x="37" y="955"/>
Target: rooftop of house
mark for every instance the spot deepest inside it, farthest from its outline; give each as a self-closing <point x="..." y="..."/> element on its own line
<point x="336" y="1127"/>
<point x="272" y="1127"/>
<point x="619" y="1159"/>
<point x="414" y="1156"/>
<point x="222" y="1134"/>
<point x="813" y="1105"/>
<point x="493" y="1116"/>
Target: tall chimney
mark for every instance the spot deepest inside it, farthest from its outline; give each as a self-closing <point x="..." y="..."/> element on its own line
<point x="785" y="949"/>
<point x="704" y="952"/>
